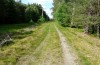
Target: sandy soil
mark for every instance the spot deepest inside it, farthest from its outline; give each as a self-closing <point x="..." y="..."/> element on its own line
<point x="68" y="56"/>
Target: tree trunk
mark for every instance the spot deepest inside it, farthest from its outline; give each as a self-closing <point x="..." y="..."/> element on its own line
<point x="73" y="13"/>
<point x="98" y="31"/>
<point x="86" y="29"/>
<point x="98" y="25"/>
<point x="87" y="23"/>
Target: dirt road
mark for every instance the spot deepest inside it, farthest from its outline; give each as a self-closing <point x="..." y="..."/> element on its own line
<point x="53" y="50"/>
<point x="68" y="56"/>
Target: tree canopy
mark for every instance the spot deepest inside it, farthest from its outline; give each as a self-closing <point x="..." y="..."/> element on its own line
<point x="16" y="12"/>
<point x="78" y="13"/>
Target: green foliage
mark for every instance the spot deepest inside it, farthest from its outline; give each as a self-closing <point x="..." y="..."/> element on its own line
<point x="12" y="12"/>
<point x="61" y="17"/>
<point x="28" y="13"/>
<point x="42" y="19"/>
<point x="78" y="13"/>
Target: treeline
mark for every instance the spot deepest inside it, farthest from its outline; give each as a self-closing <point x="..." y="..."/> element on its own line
<point x="78" y="13"/>
<point x="12" y="12"/>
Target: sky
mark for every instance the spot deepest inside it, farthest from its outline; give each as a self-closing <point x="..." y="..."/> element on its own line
<point x="46" y="4"/>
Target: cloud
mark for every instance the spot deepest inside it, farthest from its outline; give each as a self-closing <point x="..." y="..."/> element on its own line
<point x="46" y="4"/>
<point x="49" y="11"/>
<point x="42" y="2"/>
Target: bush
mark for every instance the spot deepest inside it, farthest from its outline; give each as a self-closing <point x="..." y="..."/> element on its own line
<point x="42" y="19"/>
<point x="62" y="17"/>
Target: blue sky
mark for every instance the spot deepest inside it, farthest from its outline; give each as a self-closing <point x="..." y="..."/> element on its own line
<point x="46" y="4"/>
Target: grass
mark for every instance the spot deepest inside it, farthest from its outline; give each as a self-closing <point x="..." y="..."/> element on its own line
<point x="12" y="27"/>
<point x="49" y="51"/>
<point x="40" y="45"/>
<point x="84" y="45"/>
<point x="41" y="42"/>
<point x="10" y="55"/>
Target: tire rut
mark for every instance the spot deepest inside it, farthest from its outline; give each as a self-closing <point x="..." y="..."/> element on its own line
<point x="29" y="58"/>
<point x="68" y="56"/>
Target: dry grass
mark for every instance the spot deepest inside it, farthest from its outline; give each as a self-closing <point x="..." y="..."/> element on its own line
<point x="10" y="54"/>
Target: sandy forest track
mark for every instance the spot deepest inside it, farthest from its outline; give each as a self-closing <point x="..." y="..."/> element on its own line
<point x="68" y="56"/>
<point x="53" y="50"/>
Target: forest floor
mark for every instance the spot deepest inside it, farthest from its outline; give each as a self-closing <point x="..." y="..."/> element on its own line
<point x="50" y="44"/>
